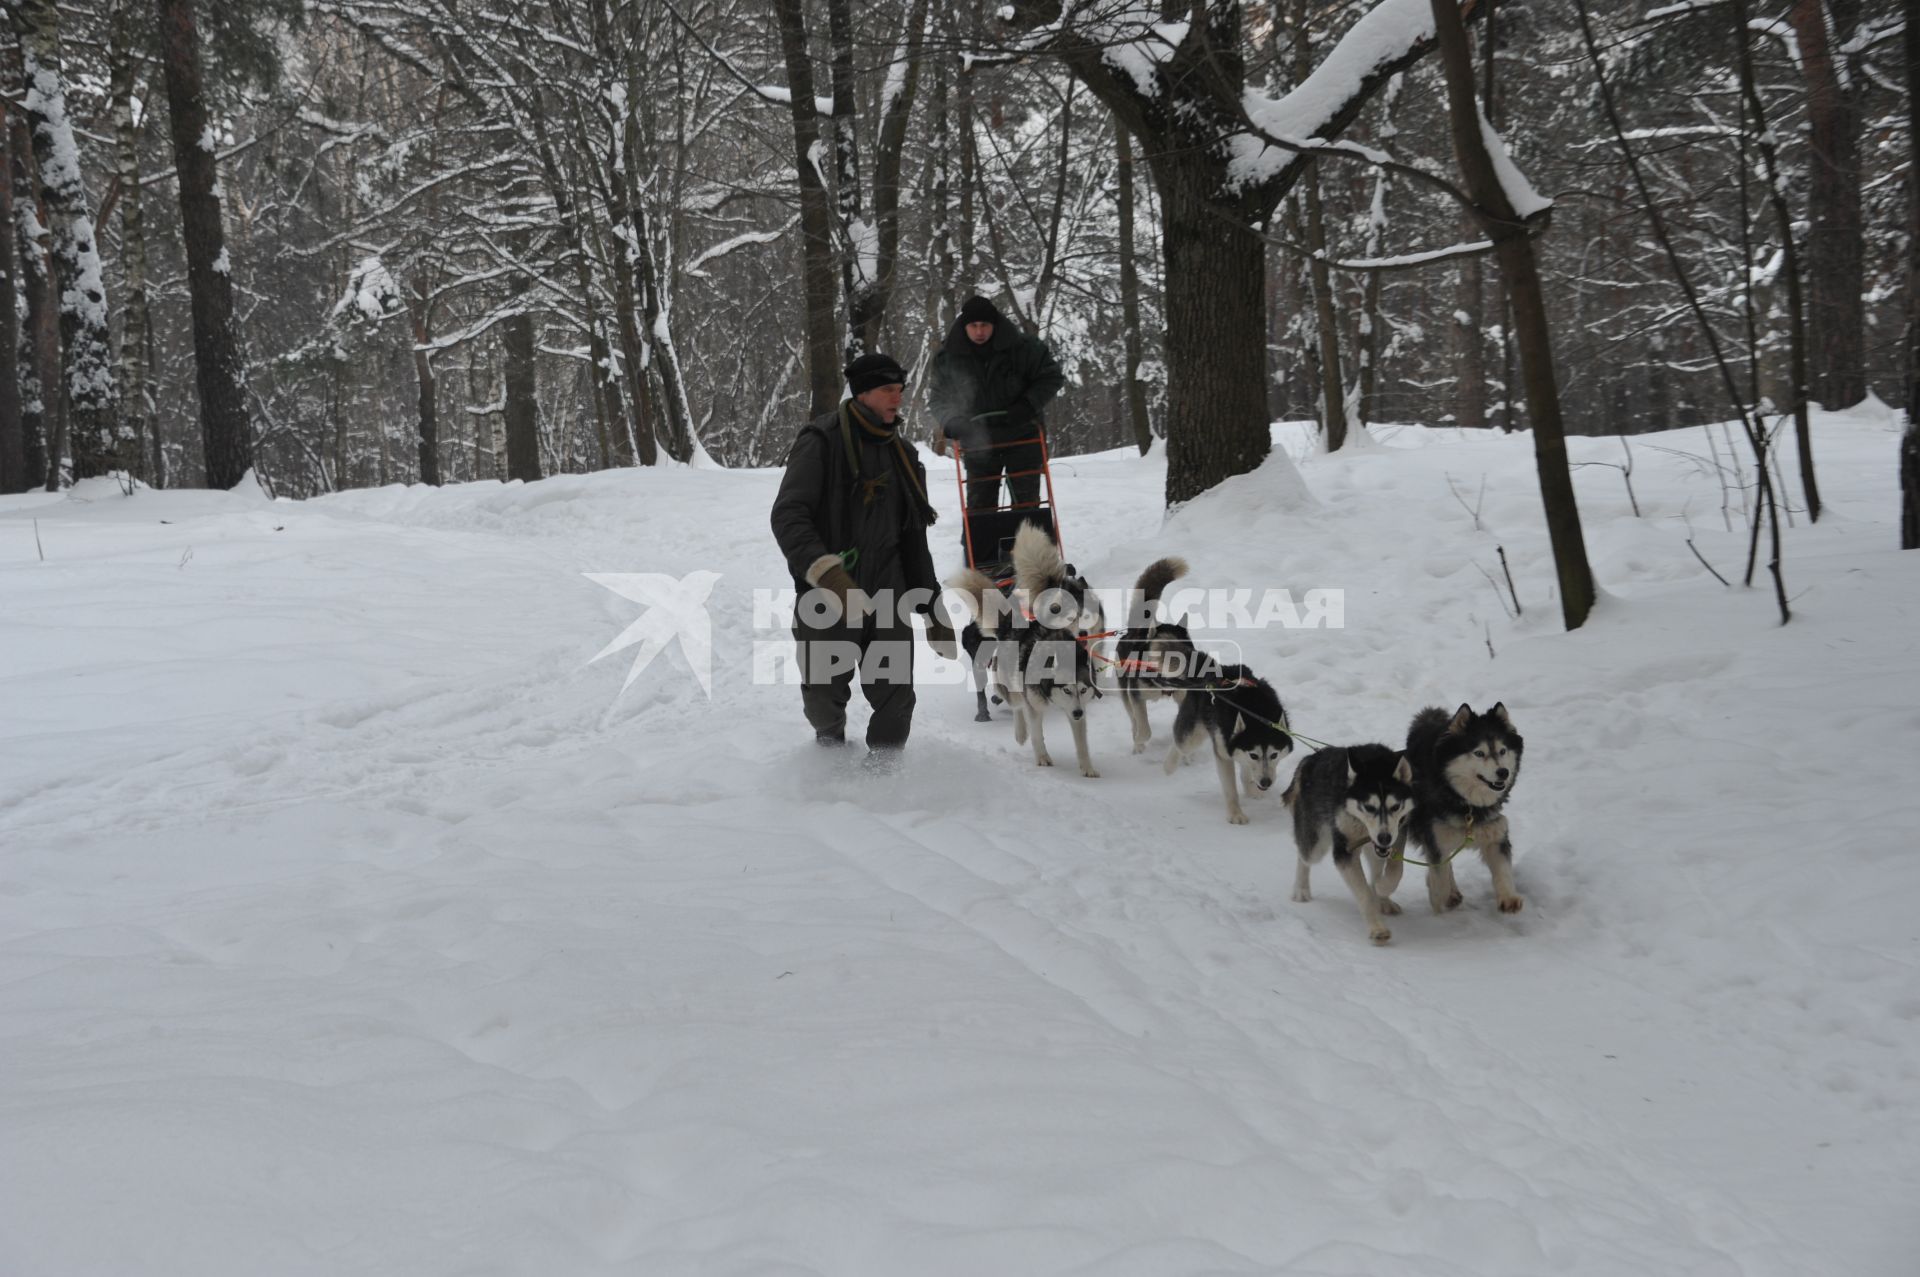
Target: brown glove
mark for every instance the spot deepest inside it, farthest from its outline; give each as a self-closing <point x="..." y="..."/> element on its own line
<point x="940" y="440"/>
<point x="940" y="637"/>
<point x="837" y="581"/>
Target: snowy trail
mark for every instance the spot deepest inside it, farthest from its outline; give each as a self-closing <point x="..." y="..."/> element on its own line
<point x="349" y="921"/>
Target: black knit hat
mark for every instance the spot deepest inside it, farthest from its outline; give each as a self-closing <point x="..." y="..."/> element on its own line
<point x="978" y="310"/>
<point x="870" y="372"/>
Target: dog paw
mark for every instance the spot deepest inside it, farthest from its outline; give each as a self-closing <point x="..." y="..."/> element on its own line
<point x="1140" y="747"/>
<point x="1236" y="817"/>
<point x="1511" y="904"/>
<point x="1379" y="935"/>
<point x="1091" y="773"/>
<point x="1388" y="907"/>
<point x="1454" y="899"/>
<point x="1042" y="760"/>
<point x="1301" y="895"/>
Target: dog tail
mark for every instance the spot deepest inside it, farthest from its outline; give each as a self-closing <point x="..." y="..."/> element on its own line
<point x="1037" y="565"/>
<point x="1159" y="575"/>
<point x="973" y="586"/>
<point x="1152" y="584"/>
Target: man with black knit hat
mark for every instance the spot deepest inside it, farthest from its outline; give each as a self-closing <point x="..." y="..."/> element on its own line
<point x="991" y="382"/>
<point x="851" y="519"/>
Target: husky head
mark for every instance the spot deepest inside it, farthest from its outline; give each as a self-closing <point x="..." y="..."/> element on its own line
<point x="1379" y="795"/>
<point x="1259" y="745"/>
<point x="1073" y="698"/>
<point x="1479" y="754"/>
<point x="1061" y="670"/>
<point x="1068" y="605"/>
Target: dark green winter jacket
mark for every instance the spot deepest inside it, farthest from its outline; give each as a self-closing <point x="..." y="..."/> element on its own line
<point x="822" y="509"/>
<point x="973" y="387"/>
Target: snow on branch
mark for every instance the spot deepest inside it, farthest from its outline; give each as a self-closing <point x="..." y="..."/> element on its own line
<point x="1380" y="40"/>
<point x="738" y="241"/>
<point x="1520" y="193"/>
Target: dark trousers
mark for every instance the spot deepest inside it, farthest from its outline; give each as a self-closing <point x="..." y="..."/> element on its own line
<point x="882" y="654"/>
<point x="985" y="467"/>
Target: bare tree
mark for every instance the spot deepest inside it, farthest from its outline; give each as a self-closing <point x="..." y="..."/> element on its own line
<point x="1507" y="226"/>
<point x="81" y="287"/>
<point x="1835" y="246"/>
<point x="1136" y="391"/>
<point x="1185" y="102"/>
<point x="816" y="234"/>
<point x="14" y="475"/>
<point x="227" y="432"/>
<point x="1910" y="441"/>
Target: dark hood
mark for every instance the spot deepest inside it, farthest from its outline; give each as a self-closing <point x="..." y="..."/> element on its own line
<point x="1004" y="334"/>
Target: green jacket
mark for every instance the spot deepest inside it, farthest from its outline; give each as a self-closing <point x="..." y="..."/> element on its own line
<point x="972" y="386"/>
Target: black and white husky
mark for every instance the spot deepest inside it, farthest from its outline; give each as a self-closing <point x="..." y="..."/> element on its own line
<point x="1243" y="718"/>
<point x="1353" y="802"/>
<point x="1040" y="641"/>
<point x="1152" y="651"/>
<point x="1465" y="766"/>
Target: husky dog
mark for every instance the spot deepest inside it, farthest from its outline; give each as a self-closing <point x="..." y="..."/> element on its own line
<point x="1041" y="657"/>
<point x="1153" y="650"/>
<point x="1465" y="766"/>
<point x="1353" y="801"/>
<point x="1243" y="717"/>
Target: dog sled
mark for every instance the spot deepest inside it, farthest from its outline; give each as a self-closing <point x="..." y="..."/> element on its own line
<point x="988" y="533"/>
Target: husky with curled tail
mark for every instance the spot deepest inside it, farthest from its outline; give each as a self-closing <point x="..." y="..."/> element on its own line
<point x="1040" y="640"/>
<point x="1465" y="766"/>
<point x="1152" y="650"/>
<point x="1353" y="802"/>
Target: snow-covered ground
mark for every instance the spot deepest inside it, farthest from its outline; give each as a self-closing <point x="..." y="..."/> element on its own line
<point x="352" y="920"/>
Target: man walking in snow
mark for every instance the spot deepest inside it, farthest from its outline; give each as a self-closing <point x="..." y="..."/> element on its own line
<point x="851" y="518"/>
<point x="991" y="382"/>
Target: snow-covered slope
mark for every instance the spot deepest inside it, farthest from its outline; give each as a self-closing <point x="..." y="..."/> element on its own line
<point x="353" y="921"/>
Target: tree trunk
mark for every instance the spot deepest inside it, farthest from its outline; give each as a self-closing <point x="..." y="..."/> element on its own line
<point x="14" y="475"/>
<point x="1514" y="250"/>
<point x="969" y="158"/>
<point x="1469" y="343"/>
<point x="896" y="113"/>
<point x="659" y="332"/>
<point x="1136" y="390"/>
<point x="1216" y="383"/>
<point x="1797" y="343"/>
<point x="1910" y="442"/>
<point x="136" y="396"/>
<point x="855" y="265"/>
<point x="226" y="432"/>
<point x="1333" y="406"/>
<point x="623" y="195"/>
<point x="1370" y="344"/>
<point x="35" y="285"/>
<point x="82" y="294"/>
<point x="1836" y="247"/>
<point x="816" y="235"/>
<point x="522" y="416"/>
<point x="429" y="409"/>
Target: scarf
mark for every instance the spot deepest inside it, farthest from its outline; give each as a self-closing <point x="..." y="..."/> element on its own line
<point x="870" y="488"/>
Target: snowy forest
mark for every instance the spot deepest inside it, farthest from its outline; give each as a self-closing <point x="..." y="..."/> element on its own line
<point x="431" y="431"/>
<point x="358" y="242"/>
